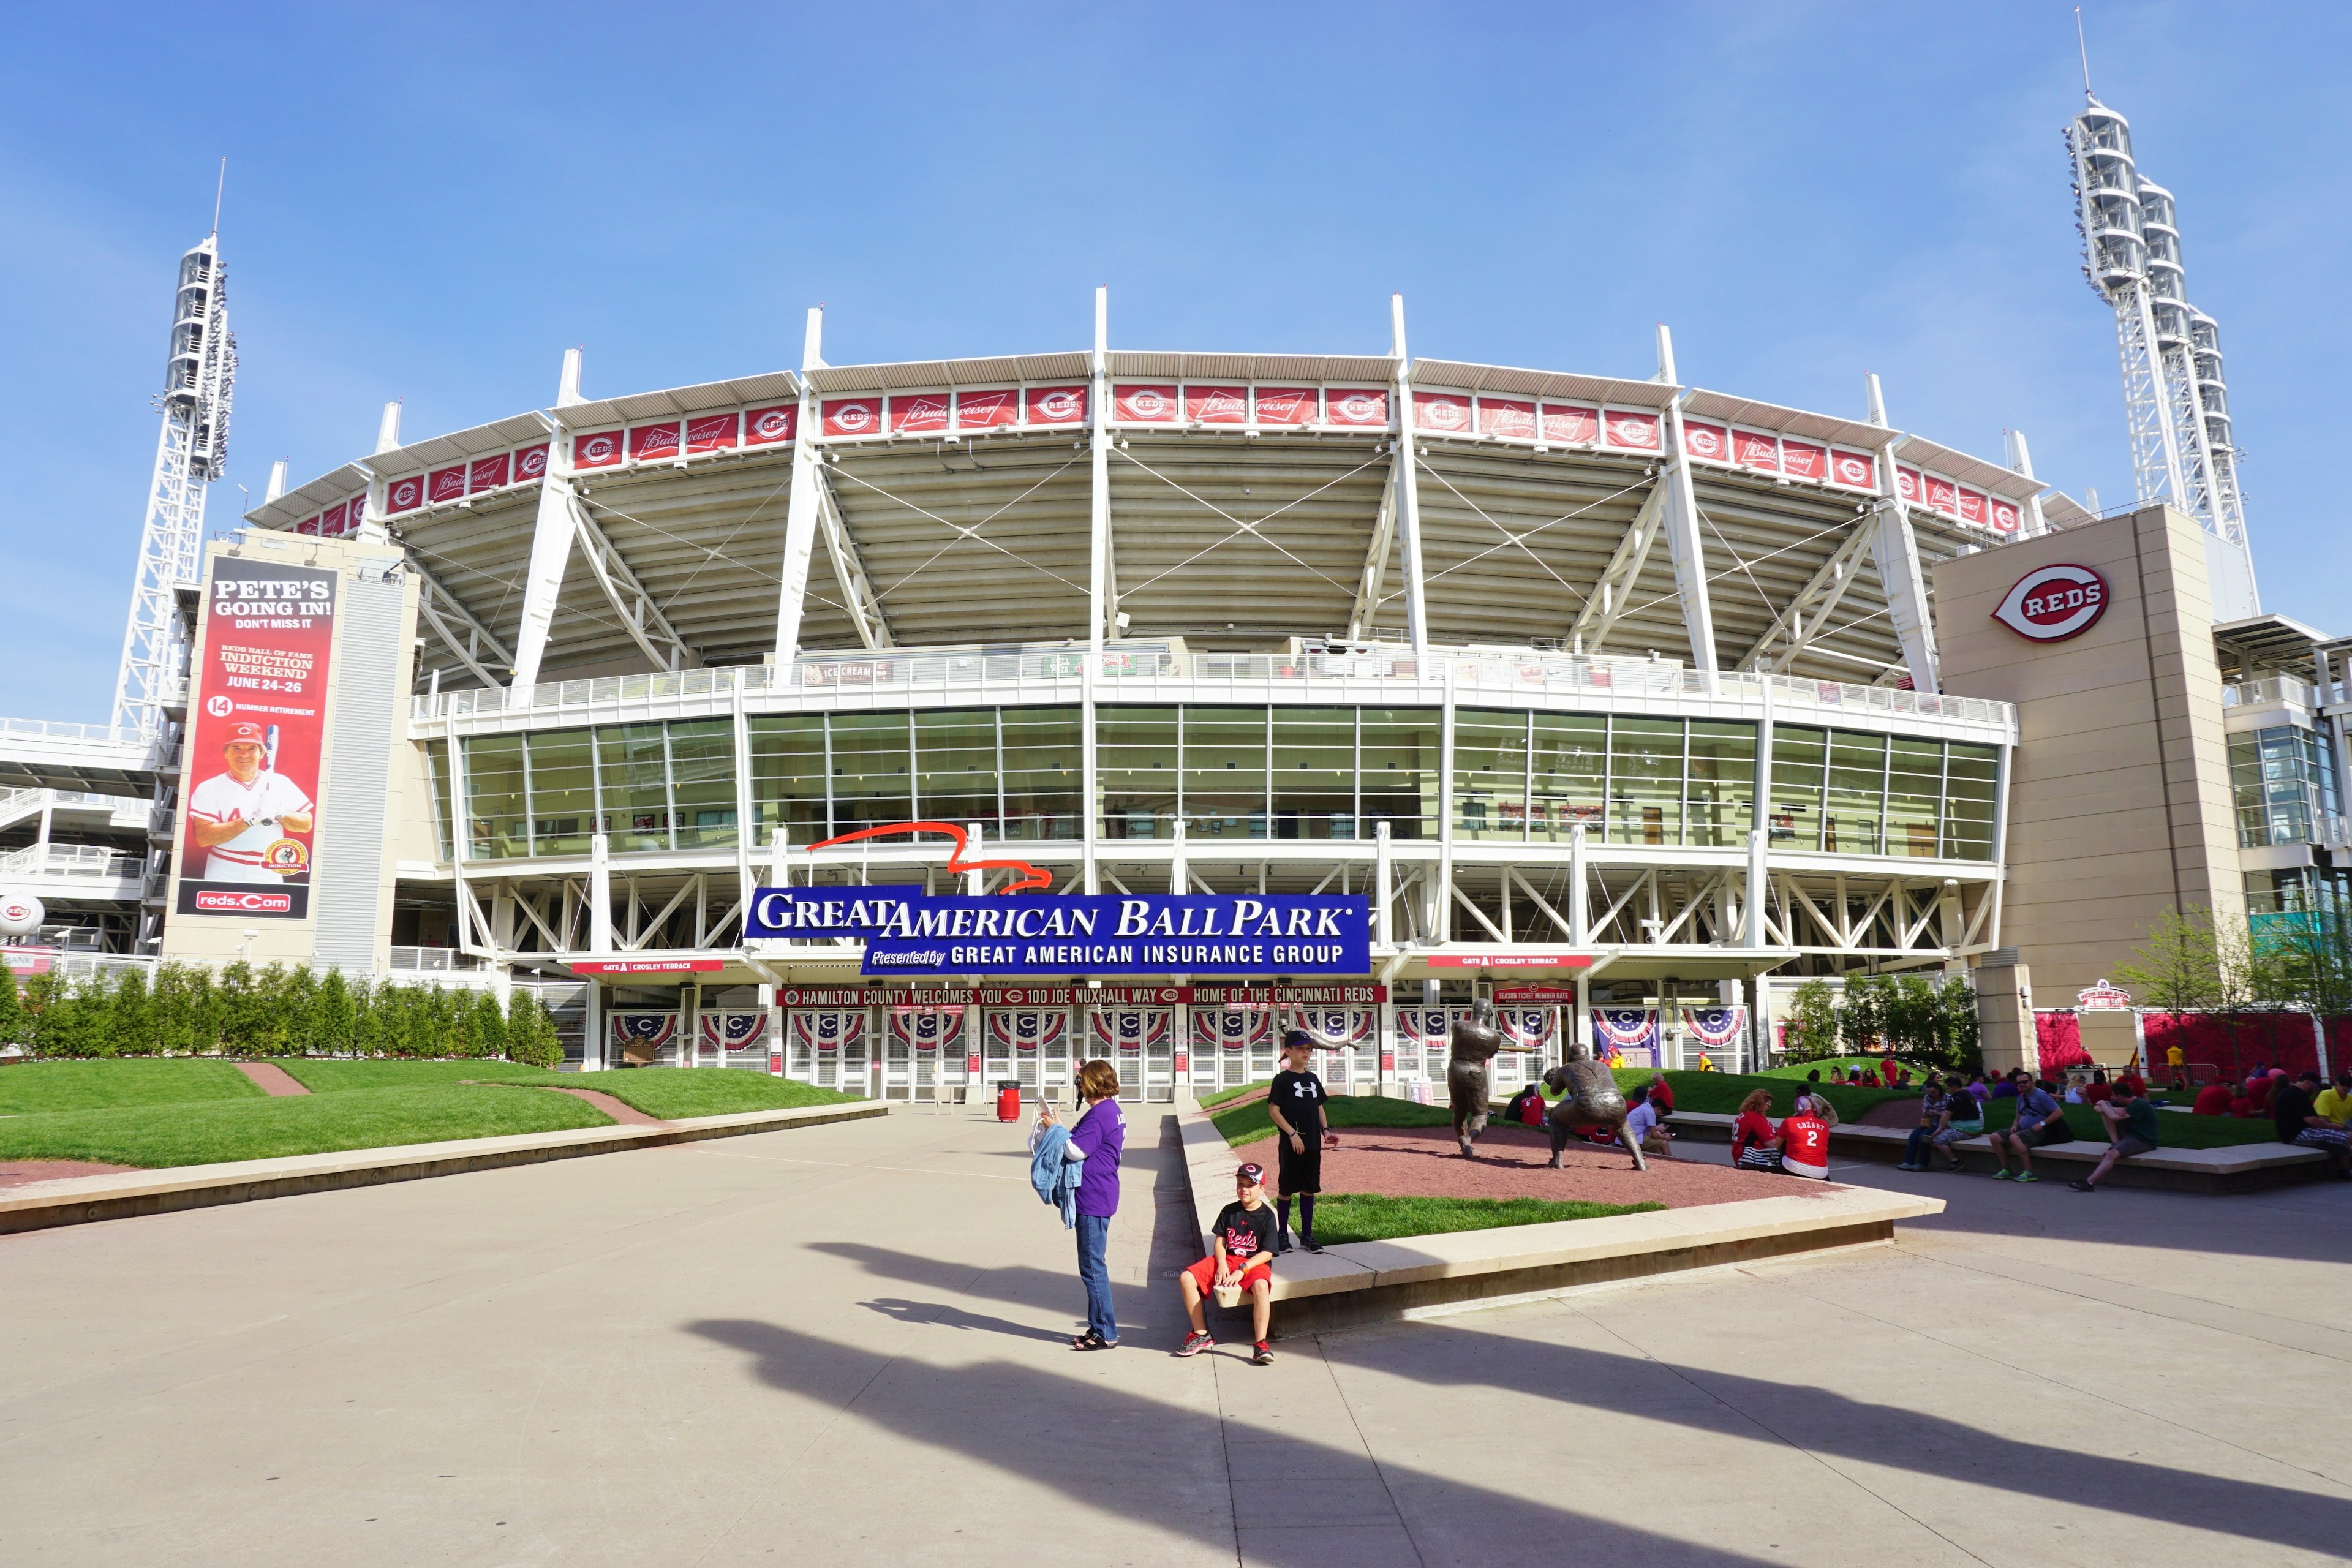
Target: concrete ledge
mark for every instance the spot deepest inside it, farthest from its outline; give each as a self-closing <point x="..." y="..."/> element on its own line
<point x="1377" y="1281"/>
<point x="2238" y="1168"/>
<point x="79" y="1200"/>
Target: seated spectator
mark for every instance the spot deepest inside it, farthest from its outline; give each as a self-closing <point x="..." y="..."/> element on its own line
<point x="1243" y="1233"/>
<point x="2129" y="1081"/>
<point x="1978" y="1090"/>
<point x="1804" y="1139"/>
<point x="2006" y="1088"/>
<point x="1706" y="1063"/>
<point x="1933" y="1105"/>
<point x="1963" y="1117"/>
<point x="2213" y="1099"/>
<point x="2073" y="1095"/>
<point x="2129" y="1123"/>
<point x="2298" y="1122"/>
<point x="1662" y="1094"/>
<point x="1837" y="1075"/>
<point x="1752" y="1134"/>
<point x="2098" y="1090"/>
<point x="2041" y="1122"/>
<point x="1644" y="1128"/>
<point x="2258" y="1090"/>
<point x="1527" y="1107"/>
<point x="2336" y="1103"/>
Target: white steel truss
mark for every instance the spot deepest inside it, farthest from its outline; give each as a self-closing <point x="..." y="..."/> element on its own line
<point x="469" y="639"/>
<point x="857" y="588"/>
<point x="641" y="618"/>
<point x="199" y="383"/>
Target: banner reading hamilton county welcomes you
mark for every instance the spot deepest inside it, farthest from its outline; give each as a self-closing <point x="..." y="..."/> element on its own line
<point x="257" y="720"/>
<point x="908" y="932"/>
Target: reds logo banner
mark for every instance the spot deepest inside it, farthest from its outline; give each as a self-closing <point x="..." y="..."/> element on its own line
<point x="1351" y="406"/>
<point x="1714" y="1027"/>
<point x="1057" y="404"/>
<point x="647" y="1031"/>
<point x="1130" y="1031"/>
<point x="601" y="450"/>
<point x="853" y="416"/>
<point x="1623" y="1029"/>
<point x="1707" y="443"/>
<point x="1429" y="1027"/>
<point x="2005" y="516"/>
<point x="1026" y="1030"/>
<point x="1226" y="404"/>
<point x="404" y="495"/>
<point x="926" y="1028"/>
<point x="1145" y="405"/>
<point x="828" y="1029"/>
<point x="2052" y="604"/>
<point x="1856" y="471"/>
<point x="1440" y="411"/>
<point x="1529" y="1028"/>
<point x="531" y="463"/>
<point x="1637" y="431"/>
<point x="1231" y="1028"/>
<point x="1571" y="426"/>
<point x="1906" y="485"/>
<point x="733" y="1031"/>
<point x="769" y="427"/>
<point x="1339" y="1029"/>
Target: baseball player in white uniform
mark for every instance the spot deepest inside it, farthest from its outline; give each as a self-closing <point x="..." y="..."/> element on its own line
<point x="239" y="814"/>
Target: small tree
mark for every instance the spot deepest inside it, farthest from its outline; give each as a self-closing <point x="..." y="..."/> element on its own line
<point x="132" y="1017"/>
<point x="1871" y="1006"/>
<point x="297" y="1006"/>
<point x="41" y="994"/>
<point x="367" y="1017"/>
<point x="12" y="1012"/>
<point x="485" y="1027"/>
<point x="207" y="1012"/>
<point x="2176" y="968"/>
<point x="334" y="1017"/>
<point x="1808" y="1031"/>
<point x="531" y="1032"/>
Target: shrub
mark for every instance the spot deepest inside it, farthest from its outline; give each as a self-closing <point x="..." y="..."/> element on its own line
<point x="1810" y="1031"/>
<point x="132" y="1017"/>
<point x="333" y="1015"/>
<point x="12" y="1012"/>
<point x="531" y="1032"/>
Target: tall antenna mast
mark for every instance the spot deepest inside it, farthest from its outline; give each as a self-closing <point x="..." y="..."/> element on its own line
<point x="199" y="380"/>
<point x="2081" y="47"/>
<point x="221" y="189"/>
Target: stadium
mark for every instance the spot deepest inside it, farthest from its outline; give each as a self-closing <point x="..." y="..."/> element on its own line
<point x="1606" y="692"/>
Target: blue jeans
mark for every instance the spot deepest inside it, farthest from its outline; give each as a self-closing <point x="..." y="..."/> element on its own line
<point x="1094" y="1237"/>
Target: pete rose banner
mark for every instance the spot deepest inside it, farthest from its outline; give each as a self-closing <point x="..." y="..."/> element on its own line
<point x="1154" y="933"/>
<point x="256" y="728"/>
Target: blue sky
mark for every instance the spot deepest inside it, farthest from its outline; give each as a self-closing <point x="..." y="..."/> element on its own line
<point x="431" y="203"/>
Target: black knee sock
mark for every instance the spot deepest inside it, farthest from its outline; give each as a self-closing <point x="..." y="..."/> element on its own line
<point x="1282" y="1207"/>
<point x="1307" y="1218"/>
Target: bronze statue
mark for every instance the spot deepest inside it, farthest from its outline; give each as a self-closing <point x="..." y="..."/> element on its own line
<point x="1475" y="1041"/>
<point x="1589" y="1097"/>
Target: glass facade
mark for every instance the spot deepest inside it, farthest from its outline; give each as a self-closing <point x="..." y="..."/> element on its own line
<point x="2282" y="779"/>
<point x="1233" y="771"/>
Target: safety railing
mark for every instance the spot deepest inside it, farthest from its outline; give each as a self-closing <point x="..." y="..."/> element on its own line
<point x="76" y="861"/>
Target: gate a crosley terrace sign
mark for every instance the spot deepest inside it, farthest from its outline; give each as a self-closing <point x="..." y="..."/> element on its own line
<point x="2051" y="604"/>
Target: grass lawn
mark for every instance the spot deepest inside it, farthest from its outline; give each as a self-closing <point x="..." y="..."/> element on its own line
<point x="1723" y="1091"/>
<point x="1366" y="1216"/>
<point x="1246" y="1120"/>
<point x="2176" y="1130"/>
<point x="40" y="1086"/>
<point x="671" y="1093"/>
<point x="336" y="1076"/>
<point x="1850" y="1064"/>
<point x="261" y="1128"/>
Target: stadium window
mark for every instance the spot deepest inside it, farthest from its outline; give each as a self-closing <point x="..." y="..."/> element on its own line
<point x="437" y="778"/>
<point x="1971" y="792"/>
<point x="1722" y="774"/>
<point x="1043" y="770"/>
<point x="1856" y="800"/>
<point x="788" y="776"/>
<point x="1490" y="773"/>
<point x="1914" y="791"/>
<point x="955" y="766"/>
<point x="1397" y="770"/>
<point x="1136" y="765"/>
<point x="1314" y="775"/>
<point x="1569" y="776"/>
<point x="1224" y="782"/>
<point x="870" y="770"/>
<point x="563" y="792"/>
<point x="1799" y="757"/>
<point x="632" y="786"/>
<point x="1645" y="781"/>
<point x="702" y="782"/>
<point x="496" y="798"/>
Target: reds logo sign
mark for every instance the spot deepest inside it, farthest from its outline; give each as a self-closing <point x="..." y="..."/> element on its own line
<point x="406" y="493"/>
<point x="2052" y="604"/>
<point x="1854" y="470"/>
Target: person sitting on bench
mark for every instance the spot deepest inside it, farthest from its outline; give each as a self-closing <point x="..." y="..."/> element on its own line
<point x="2129" y="1121"/>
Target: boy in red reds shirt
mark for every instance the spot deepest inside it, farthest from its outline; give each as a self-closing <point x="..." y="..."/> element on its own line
<point x="1243" y="1234"/>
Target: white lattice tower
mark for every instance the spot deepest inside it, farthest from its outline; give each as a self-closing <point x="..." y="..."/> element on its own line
<point x="199" y="380"/>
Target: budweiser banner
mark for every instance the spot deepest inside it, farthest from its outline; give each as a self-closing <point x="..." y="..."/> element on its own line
<point x="256" y="728"/>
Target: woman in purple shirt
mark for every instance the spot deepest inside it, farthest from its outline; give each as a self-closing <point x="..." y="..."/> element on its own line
<point x="1100" y="1135"/>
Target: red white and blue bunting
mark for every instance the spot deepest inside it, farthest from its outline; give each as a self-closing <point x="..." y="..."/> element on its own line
<point x="1529" y="1028"/>
<point x="649" y="1031"/>
<point x="1231" y="1028"/>
<point x="734" y="1031"/>
<point x="1432" y="1028"/>
<point x="828" y="1028"/>
<point x="1714" y="1028"/>
<point x="926" y="1028"/>
<point x="1130" y="1030"/>
<point x="1339" y="1029"/>
<point x="1026" y="1030"/>
<point x="1624" y="1028"/>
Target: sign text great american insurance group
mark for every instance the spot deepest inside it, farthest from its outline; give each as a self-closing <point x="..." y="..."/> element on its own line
<point x="913" y="933"/>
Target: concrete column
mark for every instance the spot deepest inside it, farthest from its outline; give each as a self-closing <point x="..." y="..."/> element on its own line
<point x="1580" y="898"/>
<point x="2005" y="1016"/>
<point x="1383" y="888"/>
<point x="591" y="1028"/>
<point x="1408" y="486"/>
<point x="600" y="896"/>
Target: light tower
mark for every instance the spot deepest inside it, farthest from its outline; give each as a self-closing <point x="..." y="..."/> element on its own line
<point x="2176" y="405"/>
<point x="199" y="377"/>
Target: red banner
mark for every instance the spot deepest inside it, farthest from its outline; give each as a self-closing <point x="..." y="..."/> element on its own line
<point x="919" y="410"/>
<point x="404" y="495"/>
<point x="1972" y="506"/>
<point x="1943" y="495"/>
<point x="1144" y="404"/>
<point x="2005" y="515"/>
<point x="1217" y="405"/>
<point x="599" y="450"/>
<point x="853" y="416"/>
<point x="1508" y="417"/>
<point x="489" y="473"/>
<point x="1709" y="443"/>
<point x="1906" y="484"/>
<point x="770" y="427"/>
<point x="531" y="463"/>
<point x="446" y="484"/>
<point x="653" y="441"/>
<point x="986" y="410"/>
<point x="1803" y="460"/>
<point x="331" y="522"/>
<point x="256" y="728"/>
<point x="1751" y="449"/>
<point x="1357" y="406"/>
<point x="308" y="525"/>
<point x="1626" y="428"/>
<point x="1570" y="425"/>
<point x="1057" y="404"/>
<point x="710" y="432"/>
<point x="1285" y="405"/>
<point x="1856" y="471"/>
<point x="1447" y="413"/>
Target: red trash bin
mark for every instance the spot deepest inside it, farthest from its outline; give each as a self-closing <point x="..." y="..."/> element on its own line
<point x="1008" y="1102"/>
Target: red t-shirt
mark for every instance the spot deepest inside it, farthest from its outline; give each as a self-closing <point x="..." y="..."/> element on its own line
<point x="2213" y="1099"/>
<point x="2131" y="1083"/>
<point x="1808" y="1142"/>
<point x="1752" y="1130"/>
<point x="2094" y="1092"/>
<point x="1661" y="1095"/>
<point x="1887" y="1072"/>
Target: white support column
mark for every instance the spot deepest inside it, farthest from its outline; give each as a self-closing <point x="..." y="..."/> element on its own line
<point x="1582" y="1042"/>
<point x="1580" y="892"/>
<point x="600" y="896"/>
<point x="1408" y="485"/>
<point x="1376" y="561"/>
<point x="592" y="1027"/>
<point x="1441" y="910"/>
<point x="1097" y="593"/>
<point x="1383" y="890"/>
<point x="2021" y="460"/>
<point x="1759" y="883"/>
<point x="1180" y="870"/>
<point x="974" y="881"/>
<point x="551" y="533"/>
<point x="387" y="429"/>
<point x="1896" y="551"/>
<point x="780" y="865"/>
<point x="744" y="881"/>
<point x="1683" y="541"/>
<point x="801" y="517"/>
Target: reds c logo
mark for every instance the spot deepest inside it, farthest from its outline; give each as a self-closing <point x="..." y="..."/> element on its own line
<point x="1058" y="406"/>
<point x="2051" y="604"/>
<point x="1853" y="470"/>
<point x="1443" y="413"/>
<point x="531" y="465"/>
<point x="598" y="448"/>
<point x="405" y="493"/>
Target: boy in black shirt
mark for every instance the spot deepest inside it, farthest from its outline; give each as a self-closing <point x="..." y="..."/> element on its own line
<point x="2293" y="1109"/>
<point x="1296" y="1101"/>
<point x="1244" y="1255"/>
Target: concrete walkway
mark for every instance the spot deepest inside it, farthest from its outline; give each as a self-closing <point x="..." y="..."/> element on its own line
<point x="845" y="1345"/>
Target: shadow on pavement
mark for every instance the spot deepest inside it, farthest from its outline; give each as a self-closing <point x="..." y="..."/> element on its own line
<point x="944" y="1315"/>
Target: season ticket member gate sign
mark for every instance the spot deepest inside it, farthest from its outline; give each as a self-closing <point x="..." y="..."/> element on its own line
<point x="256" y="728"/>
<point x="1165" y="933"/>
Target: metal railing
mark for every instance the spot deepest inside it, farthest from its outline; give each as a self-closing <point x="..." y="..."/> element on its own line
<point x="80" y="860"/>
<point x="52" y="729"/>
<point x="431" y="959"/>
<point x="2276" y="689"/>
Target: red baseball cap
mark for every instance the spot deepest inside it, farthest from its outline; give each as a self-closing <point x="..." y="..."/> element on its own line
<point x="243" y="734"/>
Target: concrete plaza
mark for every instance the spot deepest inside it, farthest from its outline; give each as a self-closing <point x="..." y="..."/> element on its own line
<point x="845" y="1345"/>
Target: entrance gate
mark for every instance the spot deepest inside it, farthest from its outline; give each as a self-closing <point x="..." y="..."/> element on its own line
<point x="648" y="1037"/>
<point x="1140" y="1042"/>
<point x="1231" y="1047"/>
<point x="735" y="1038"/>
<point x="1347" y="1045"/>
<point x="1029" y="1046"/>
<point x="924" y="1049"/>
<point x="827" y="1048"/>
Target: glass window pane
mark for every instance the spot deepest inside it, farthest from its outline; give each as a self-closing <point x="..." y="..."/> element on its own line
<point x="562" y="792"/>
<point x="1645" y="781"/>
<point x="436" y="777"/>
<point x="1723" y="784"/>
<point x="788" y="776"/>
<point x="1799" y="756"/>
<point x="1399" y="777"/>
<point x="494" y="798"/>
<point x="871" y="785"/>
<point x="1571" y="764"/>
<point x="1914" y="788"/>
<point x="1972" y="781"/>
<point x="1045" y="772"/>
<point x="1490" y="773"/>
<point x="1224" y="771"/>
<point x="702" y="782"/>
<point x="1315" y="773"/>
<point x="633" y="774"/>
<point x="955" y="766"/>
<point x="1135" y="758"/>
<point x="1857" y="794"/>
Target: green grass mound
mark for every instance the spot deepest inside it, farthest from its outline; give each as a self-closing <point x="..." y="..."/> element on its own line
<point x="261" y="1128"/>
<point x="673" y="1093"/>
<point x="1366" y="1216"/>
<point x="1723" y="1091"/>
<point x="327" y="1077"/>
<point x="36" y="1088"/>
<point x="1246" y="1120"/>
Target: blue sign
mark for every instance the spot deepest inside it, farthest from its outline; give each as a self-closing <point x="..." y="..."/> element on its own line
<point x="911" y="932"/>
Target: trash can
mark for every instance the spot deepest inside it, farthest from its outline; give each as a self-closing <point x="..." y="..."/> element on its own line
<point x="1008" y="1100"/>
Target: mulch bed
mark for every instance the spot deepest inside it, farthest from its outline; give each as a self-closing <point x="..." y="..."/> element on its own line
<point x="1515" y="1162"/>
<point x="25" y="1172"/>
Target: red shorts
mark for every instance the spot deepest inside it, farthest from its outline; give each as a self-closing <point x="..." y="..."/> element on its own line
<point x="1205" y="1274"/>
